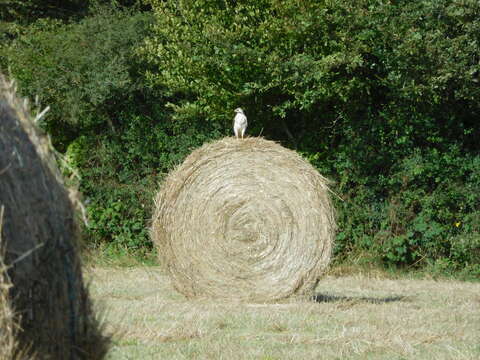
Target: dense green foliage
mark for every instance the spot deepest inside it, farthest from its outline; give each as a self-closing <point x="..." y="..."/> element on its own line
<point x="26" y="11"/>
<point x="23" y="12"/>
<point x="85" y="70"/>
<point x="383" y="97"/>
<point x="115" y="130"/>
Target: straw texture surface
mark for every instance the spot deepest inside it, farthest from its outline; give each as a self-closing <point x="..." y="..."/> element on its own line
<point x="39" y="241"/>
<point x="244" y="220"/>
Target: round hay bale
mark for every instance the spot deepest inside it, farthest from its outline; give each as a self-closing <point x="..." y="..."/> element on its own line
<point x="39" y="237"/>
<point x="244" y="220"/>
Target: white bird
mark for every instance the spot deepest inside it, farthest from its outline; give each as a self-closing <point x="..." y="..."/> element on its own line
<point x="239" y="123"/>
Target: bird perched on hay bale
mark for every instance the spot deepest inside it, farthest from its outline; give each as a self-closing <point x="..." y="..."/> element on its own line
<point x="260" y="232"/>
<point x="239" y="123"/>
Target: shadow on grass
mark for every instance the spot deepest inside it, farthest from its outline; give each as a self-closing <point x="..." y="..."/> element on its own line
<point x="326" y="298"/>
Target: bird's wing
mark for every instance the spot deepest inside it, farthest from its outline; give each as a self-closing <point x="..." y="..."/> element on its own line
<point x="243" y="120"/>
<point x="240" y="120"/>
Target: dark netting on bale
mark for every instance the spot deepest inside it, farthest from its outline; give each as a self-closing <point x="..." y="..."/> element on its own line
<point x="244" y="220"/>
<point x="39" y="236"/>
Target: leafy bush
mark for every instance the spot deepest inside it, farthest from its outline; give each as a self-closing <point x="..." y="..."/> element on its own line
<point x="88" y="73"/>
<point x="85" y="71"/>
<point x="27" y="11"/>
<point x="381" y="96"/>
<point x="121" y="172"/>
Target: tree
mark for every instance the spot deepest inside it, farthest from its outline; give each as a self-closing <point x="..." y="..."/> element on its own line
<point x="85" y="71"/>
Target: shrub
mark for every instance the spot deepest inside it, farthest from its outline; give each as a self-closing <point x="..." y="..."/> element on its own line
<point x="381" y="96"/>
<point x="85" y="71"/>
<point x="89" y="75"/>
<point x="120" y="173"/>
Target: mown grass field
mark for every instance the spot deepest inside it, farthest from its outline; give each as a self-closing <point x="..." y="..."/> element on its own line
<point x="364" y="316"/>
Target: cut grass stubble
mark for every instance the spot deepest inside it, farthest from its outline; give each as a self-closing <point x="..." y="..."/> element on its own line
<point x="354" y="317"/>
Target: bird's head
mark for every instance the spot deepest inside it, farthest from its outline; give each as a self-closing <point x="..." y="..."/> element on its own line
<point x="238" y="111"/>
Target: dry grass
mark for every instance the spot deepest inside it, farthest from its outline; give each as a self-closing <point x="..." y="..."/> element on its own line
<point x="354" y="317"/>
<point x="8" y="324"/>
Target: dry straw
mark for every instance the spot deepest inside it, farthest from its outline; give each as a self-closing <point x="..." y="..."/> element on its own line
<point x="9" y="347"/>
<point x="244" y="220"/>
<point x="47" y="296"/>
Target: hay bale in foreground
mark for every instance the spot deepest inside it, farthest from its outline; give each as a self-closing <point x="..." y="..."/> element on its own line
<point x="244" y="220"/>
<point x="48" y="297"/>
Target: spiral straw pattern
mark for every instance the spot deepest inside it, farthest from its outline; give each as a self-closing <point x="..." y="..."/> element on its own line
<point x="244" y="220"/>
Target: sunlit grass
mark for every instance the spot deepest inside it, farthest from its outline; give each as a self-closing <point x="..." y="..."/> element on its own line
<point x="365" y="316"/>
